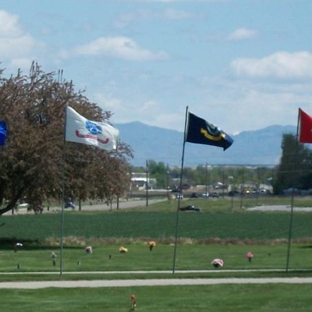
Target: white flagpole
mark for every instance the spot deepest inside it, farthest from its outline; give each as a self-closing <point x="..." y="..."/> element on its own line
<point x="180" y="190"/>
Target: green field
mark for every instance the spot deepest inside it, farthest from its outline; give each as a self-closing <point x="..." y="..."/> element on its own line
<point x="220" y="298"/>
<point x="217" y="221"/>
<point x="188" y="257"/>
<point x="217" y="232"/>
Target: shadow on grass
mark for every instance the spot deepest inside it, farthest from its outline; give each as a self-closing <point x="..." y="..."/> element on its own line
<point x="305" y="247"/>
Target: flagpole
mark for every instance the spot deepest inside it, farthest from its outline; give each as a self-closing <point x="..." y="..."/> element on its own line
<point x="180" y="190"/>
<point x="146" y="184"/>
<point x="106" y="139"/>
<point x="63" y="195"/>
<point x="292" y="201"/>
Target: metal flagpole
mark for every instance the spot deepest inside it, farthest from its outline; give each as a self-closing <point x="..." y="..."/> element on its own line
<point x="179" y="199"/>
<point x="146" y="184"/>
<point x="292" y="203"/>
<point x="290" y="228"/>
<point x="63" y="196"/>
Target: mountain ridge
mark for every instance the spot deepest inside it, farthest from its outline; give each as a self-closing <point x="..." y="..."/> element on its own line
<point x="256" y="147"/>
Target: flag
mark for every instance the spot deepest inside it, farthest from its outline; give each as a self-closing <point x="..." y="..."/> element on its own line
<point x="3" y="132"/>
<point x="201" y="131"/>
<point x="305" y="127"/>
<point x="81" y="130"/>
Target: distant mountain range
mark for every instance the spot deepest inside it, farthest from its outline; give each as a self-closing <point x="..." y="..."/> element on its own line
<point x="259" y="147"/>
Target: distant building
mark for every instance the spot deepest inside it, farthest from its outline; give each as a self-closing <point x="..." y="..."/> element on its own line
<point x="139" y="182"/>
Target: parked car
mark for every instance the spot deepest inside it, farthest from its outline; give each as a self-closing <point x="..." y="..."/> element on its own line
<point x="194" y="195"/>
<point x="205" y="194"/>
<point x="190" y="208"/>
<point x="22" y="205"/>
<point x="215" y="194"/>
<point x="179" y="196"/>
<point x="70" y="204"/>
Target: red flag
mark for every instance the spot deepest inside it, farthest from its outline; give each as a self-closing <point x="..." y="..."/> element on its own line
<point x="305" y="128"/>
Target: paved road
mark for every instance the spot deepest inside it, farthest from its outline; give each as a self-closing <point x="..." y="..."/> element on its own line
<point x="145" y="282"/>
<point x="151" y="282"/>
<point x="101" y="206"/>
<point x="140" y="203"/>
<point x="279" y="208"/>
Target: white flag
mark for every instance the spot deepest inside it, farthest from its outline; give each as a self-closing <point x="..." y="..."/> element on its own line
<point x="81" y="130"/>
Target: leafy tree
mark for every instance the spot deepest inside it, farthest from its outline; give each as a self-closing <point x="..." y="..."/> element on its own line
<point x="294" y="169"/>
<point x="36" y="165"/>
<point x="236" y="176"/>
<point x="159" y="172"/>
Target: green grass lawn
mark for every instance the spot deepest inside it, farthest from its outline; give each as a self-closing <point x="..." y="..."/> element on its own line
<point x="216" y="221"/>
<point x="217" y="232"/>
<point x="101" y="225"/>
<point x="215" y="298"/>
<point x="107" y="258"/>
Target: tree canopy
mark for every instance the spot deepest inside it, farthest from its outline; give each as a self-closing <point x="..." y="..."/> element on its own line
<point x="36" y="164"/>
<point x="294" y="169"/>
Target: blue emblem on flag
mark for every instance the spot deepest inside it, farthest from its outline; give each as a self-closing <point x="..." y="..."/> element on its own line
<point x="93" y="127"/>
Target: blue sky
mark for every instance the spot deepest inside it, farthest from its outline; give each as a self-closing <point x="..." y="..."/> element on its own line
<point x="240" y="64"/>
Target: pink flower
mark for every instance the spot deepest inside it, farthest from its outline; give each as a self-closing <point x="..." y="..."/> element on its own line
<point x="249" y="254"/>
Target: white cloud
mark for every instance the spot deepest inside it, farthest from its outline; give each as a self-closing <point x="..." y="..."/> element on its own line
<point x="151" y="112"/>
<point x="23" y="63"/>
<point x="169" y="120"/>
<point x="9" y="25"/>
<point x="16" y="46"/>
<point x="238" y="34"/>
<point x="13" y="41"/>
<point x="119" y="47"/>
<point x="64" y="54"/>
<point x="123" y="20"/>
<point x="107" y="102"/>
<point x="279" y="64"/>
<point x="173" y="14"/>
<point x="149" y="106"/>
<point x="242" y="34"/>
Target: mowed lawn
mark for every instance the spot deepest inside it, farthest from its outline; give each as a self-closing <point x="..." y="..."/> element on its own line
<point x="215" y="298"/>
<point x="159" y="223"/>
<point x="216" y="232"/>
<point x="213" y="233"/>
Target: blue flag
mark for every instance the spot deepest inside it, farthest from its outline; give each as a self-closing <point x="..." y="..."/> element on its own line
<point x="3" y="132"/>
<point x="201" y="131"/>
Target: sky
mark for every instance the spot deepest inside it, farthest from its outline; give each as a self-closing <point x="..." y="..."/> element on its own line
<point x="240" y="64"/>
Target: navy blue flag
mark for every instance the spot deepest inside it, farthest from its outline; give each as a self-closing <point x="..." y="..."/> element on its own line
<point x="3" y="132"/>
<point x="201" y="131"/>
